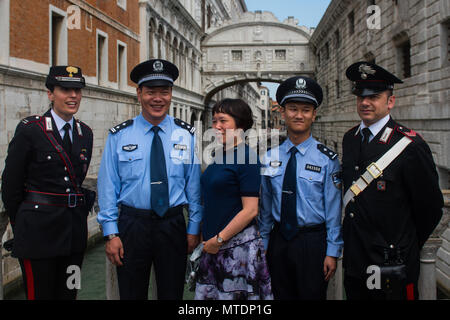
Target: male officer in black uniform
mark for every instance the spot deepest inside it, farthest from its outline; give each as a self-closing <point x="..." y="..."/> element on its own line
<point x="47" y="161"/>
<point x="394" y="207"/>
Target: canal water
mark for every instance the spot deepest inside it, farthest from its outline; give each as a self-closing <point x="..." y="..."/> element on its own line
<point x="93" y="285"/>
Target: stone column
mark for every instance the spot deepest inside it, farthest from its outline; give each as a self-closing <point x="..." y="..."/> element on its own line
<point x="335" y="285"/>
<point x="427" y="278"/>
<point x="112" y="286"/>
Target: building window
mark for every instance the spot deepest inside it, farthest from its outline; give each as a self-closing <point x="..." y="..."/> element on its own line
<point x="337" y="37"/>
<point x="404" y="59"/>
<point x="58" y="37"/>
<point x="121" y="65"/>
<point x="445" y="41"/>
<point x="351" y="22"/>
<point x="122" y="4"/>
<point x="338" y="90"/>
<point x="236" y="55"/>
<point x="326" y="51"/>
<point x="280" y="54"/>
<point x="102" y="57"/>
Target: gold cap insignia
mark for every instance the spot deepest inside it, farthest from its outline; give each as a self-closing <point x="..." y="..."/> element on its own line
<point x="71" y="70"/>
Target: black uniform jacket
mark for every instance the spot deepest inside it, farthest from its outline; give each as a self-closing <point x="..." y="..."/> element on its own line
<point x="33" y="166"/>
<point x="398" y="210"/>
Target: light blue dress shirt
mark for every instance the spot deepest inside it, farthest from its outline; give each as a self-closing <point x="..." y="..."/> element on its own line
<point x="124" y="175"/>
<point x="376" y="127"/>
<point x="318" y="190"/>
<point x="60" y="123"/>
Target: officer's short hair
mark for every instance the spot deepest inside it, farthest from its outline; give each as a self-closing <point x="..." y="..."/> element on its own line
<point x="238" y="109"/>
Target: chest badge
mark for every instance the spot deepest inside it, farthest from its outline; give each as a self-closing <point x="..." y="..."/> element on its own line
<point x="180" y="146"/>
<point x="130" y="147"/>
<point x="275" y="164"/>
<point x="381" y="185"/>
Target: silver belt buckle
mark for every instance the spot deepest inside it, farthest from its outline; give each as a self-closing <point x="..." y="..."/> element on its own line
<point x="72" y="204"/>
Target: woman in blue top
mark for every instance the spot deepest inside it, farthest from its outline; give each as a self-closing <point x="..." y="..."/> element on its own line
<point x="233" y="265"/>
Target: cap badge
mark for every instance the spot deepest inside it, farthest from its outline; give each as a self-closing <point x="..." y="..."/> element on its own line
<point x="158" y="66"/>
<point x="365" y="69"/>
<point x="300" y="84"/>
<point x="71" y="70"/>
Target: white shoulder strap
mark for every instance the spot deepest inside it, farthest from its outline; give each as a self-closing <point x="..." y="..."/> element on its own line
<point x="375" y="169"/>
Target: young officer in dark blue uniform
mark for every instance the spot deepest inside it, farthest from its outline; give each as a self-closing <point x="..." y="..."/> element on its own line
<point x="47" y="161"/>
<point x="148" y="173"/>
<point x="391" y="211"/>
<point x="301" y="199"/>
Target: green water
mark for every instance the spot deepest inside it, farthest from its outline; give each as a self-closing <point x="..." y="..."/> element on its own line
<point x="93" y="285"/>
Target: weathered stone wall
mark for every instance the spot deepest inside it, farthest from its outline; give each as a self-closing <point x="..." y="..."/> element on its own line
<point x="422" y="101"/>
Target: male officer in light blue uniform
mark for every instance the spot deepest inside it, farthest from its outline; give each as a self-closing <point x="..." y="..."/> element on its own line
<point x="300" y="217"/>
<point x="149" y="171"/>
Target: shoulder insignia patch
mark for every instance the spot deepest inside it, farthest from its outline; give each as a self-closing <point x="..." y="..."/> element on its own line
<point x="184" y="125"/>
<point x="407" y="132"/>
<point x="329" y="153"/>
<point x="121" y="126"/>
<point x="31" y="119"/>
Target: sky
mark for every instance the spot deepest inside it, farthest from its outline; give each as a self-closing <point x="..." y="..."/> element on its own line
<point x="307" y="12"/>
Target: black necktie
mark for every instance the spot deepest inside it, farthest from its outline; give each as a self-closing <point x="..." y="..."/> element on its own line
<point x="288" y="217"/>
<point x="158" y="175"/>
<point x="366" y="135"/>
<point x="67" y="144"/>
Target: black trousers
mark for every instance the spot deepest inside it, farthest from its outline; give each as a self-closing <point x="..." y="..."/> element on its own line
<point x="148" y="239"/>
<point x="52" y="278"/>
<point x="356" y="289"/>
<point x="296" y="266"/>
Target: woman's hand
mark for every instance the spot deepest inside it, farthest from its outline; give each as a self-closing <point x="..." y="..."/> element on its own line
<point x="211" y="246"/>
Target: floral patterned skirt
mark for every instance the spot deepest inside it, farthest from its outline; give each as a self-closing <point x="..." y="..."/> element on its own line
<point x="237" y="272"/>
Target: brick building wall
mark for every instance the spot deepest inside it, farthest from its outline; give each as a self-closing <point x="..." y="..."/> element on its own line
<point x="30" y="33"/>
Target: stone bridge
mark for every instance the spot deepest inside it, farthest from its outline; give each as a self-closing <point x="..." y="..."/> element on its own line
<point x="257" y="47"/>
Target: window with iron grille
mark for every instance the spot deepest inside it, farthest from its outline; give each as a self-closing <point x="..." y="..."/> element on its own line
<point x="280" y="54"/>
<point x="236" y="55"/>
<point x="351" y="22"/>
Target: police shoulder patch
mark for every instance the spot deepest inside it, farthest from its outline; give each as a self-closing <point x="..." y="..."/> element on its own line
<point x="121" y="126"/>
<point x="184" y="125"/>
<point x="31" y="119"/>
<point x="329" y="153"/>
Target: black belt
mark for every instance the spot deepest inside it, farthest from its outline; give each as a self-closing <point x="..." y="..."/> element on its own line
<point x="70" y="200"/>
<point x="145" y="213"/>
<point x="307" y="229"/>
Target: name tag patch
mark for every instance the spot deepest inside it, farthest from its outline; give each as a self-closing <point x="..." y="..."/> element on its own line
<point x="313" y="168"/>
<point x="130" y="147"/>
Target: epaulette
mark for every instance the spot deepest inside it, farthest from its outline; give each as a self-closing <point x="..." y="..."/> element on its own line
<point x="407" y="132"/>
<point x="119" y="127"/>
<point x="184" y="125"/>
<point x="329" y="153"/>
<point x="31" y="119"/>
